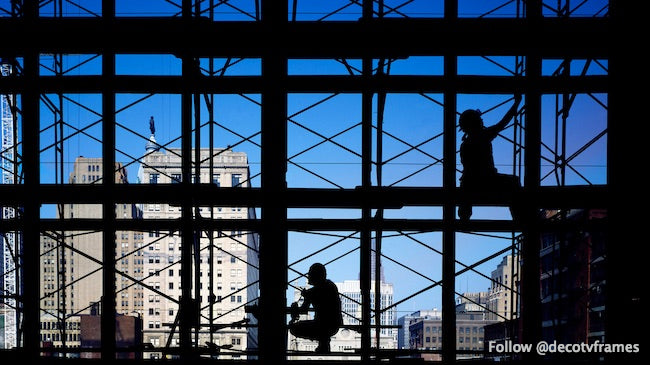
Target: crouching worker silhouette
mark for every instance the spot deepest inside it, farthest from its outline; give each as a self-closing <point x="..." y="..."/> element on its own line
<point x="324" y="297"/>
<point x="479" y="172"/>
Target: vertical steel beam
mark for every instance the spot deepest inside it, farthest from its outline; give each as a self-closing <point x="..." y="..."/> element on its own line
<point x="624" y="264"/>
<point x="379" y="214"/>
<point x="530" y="271"/>
<point x="273" y="246"/>
<point x="187" y="233"/>
<point x="449" y="209"/>
<point x="366" y="183"/>
<point x="31" y="215"/>
<point x="108" y="200"/>
<point x="196" y="244"/>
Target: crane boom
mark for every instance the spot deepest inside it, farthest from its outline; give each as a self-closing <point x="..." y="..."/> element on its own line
<point x="8" y="239"/>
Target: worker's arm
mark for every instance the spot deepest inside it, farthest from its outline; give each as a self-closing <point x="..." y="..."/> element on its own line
<point x="508" y="116"/>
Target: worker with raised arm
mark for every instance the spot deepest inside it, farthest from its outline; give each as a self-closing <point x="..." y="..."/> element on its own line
<point x="479" y="171"/>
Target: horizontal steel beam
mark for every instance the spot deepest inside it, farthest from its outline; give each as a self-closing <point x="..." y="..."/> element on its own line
<point x="312" y="84"/>
<point x="306" y="224"/>
<point x="387" y="197"/>
<point x="550" y="37"/>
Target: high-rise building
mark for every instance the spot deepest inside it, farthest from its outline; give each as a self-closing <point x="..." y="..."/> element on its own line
<point x="232" y="269"/>
<point x="572" y="278"/>
<point x="502" y="298"/>
<point x="71" y="261"/>
<point x="471" y="302"/>
<point x="404" y="322"/>
<point x="425" y="331"/>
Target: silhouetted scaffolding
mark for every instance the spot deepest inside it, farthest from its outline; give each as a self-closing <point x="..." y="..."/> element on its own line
<point x="535" y="45"/>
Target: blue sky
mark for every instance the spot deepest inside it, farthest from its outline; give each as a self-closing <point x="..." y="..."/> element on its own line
<point x="413" y="119"/>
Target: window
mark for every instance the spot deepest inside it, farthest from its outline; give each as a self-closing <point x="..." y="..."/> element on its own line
<point x="236" y="180"/>
<point x="216" y="179"/>
<point x="153" y="178"/>
<point x="233" y="259"/>
<point x="176" y="178"/>
<point x="171" y="285"/>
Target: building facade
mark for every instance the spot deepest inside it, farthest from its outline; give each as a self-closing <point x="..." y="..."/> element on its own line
<point x="404" y="323"/>
<point x="71" y="261"/>
<point x="573" y="265"/>
<point x="502" y="303"/>
<point x="232" y="269"/>
<point x="425" y="332"/>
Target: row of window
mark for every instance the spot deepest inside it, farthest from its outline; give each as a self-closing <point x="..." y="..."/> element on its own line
<point x="136" y="303"/>
<point x="155" y="341"/>
<point x="171" y="259"/>
<point x="461" y="330"/>
<point x="233" y="245"/>
<point x="434" y="339"/>
<point x="70" y="325"/>
<point x="47" y="337"/>
<point x="235" y="179"/>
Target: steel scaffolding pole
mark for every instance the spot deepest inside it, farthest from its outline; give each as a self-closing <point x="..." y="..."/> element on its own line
<point x="31" y="220"/>
<point x="530" y="271"/>
<point x="274" y="238"/>
<point x="108" y="299"/>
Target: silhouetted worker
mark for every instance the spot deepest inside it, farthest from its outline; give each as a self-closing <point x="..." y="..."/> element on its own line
<point x="479" y="172"/>
<point x="324" y="297"/>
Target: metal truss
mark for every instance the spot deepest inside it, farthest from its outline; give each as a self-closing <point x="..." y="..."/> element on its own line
<point x="389" y="34"/>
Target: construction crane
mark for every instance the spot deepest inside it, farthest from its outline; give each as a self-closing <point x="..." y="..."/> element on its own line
<point x="10" y="240"/>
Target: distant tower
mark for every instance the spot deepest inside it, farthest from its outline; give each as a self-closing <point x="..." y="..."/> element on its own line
<point x="151" y="145"/>
<point x="373" y="263"/>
